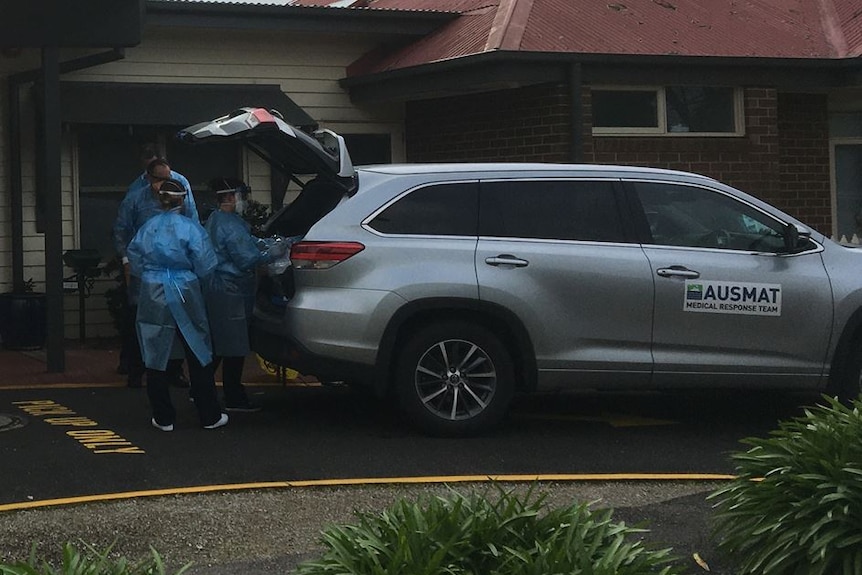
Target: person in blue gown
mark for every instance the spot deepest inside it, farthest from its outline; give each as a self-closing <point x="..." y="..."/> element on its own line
<point x="172" y="256"/>
<point x="140" y="204"/>
<point x="230" y="292"/>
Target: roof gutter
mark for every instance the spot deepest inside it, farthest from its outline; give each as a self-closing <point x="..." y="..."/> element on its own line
<point x="604" y="59"/>
<point x="66" y="66"/>
<point x="496" y="70"/>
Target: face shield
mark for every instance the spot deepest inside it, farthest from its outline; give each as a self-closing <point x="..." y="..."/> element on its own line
<point x="240" y="191"/>
<point x="171" y="192"/>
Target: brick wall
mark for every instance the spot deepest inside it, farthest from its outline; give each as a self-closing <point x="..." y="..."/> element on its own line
<point x="804" y="169"/>
<point x="749" y="162"/>
<point x="782" y="158"/>
<point x="528" y="125"/>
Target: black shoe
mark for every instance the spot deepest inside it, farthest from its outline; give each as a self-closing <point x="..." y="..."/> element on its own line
<point x="245" y="407"/>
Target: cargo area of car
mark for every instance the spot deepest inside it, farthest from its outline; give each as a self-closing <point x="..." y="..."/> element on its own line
<point x="318" y="197"/>
<point x="318" y="162"/>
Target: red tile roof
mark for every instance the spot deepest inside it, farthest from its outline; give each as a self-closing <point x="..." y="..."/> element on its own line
<point x="844" y="19"/>
<point x="465" y="36"/>
<point x="809" y="29"/>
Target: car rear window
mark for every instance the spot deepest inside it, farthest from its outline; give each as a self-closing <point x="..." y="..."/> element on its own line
<point x="550" y="209"/>
<point x="440" y="210"/>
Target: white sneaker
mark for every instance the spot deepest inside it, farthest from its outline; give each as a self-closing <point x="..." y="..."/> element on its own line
<point x="220" y="423"/>
<point x="162" y="427"/>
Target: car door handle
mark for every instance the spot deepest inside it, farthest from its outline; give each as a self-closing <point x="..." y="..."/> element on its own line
<point x="677" y="272"/>
<point x="506" y="260"/>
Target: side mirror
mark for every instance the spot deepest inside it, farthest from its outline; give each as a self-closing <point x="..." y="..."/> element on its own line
<point x="795" y="238"/>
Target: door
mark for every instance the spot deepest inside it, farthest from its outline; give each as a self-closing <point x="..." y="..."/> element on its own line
<point x="730" y="308"/>
<point x="847" y="166"/>
<point x="555" y="253"/>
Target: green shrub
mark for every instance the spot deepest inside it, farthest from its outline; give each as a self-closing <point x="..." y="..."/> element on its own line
<point x="116" y="296"/>
<point x="796" y="505"/>
<point x="89" y="562"/>
<point x="471" y="534"/>
<point x="256" y="214"/>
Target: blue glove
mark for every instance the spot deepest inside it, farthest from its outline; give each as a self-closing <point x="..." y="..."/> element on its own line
<point x="278" y="248"/>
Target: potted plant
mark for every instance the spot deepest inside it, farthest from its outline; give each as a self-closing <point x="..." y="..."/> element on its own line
<point x="115" y="296"/>
<point x="22" y="318"/>
<point x="256" y="214"/>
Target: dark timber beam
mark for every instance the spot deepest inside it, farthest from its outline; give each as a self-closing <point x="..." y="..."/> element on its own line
<point x="51" y="188"/>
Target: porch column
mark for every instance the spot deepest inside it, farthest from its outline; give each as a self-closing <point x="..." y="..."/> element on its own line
<point x="50" y="181"/>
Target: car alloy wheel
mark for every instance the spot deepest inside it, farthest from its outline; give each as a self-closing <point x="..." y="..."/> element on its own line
<point x="455" y="378"/>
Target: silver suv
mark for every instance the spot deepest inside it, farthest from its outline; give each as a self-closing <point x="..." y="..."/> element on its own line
<point x="454" y="286"/>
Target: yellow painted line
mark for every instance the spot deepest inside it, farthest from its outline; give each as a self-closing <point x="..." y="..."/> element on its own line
<point x="122" y="384"/>
<point x="60" y="386"/>
<point x="368" y="481"/>
<point x="612" y="419"/>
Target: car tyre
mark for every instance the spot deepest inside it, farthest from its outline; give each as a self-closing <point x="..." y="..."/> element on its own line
<point x="454" y="379"/>
<point x="848" y="387"/>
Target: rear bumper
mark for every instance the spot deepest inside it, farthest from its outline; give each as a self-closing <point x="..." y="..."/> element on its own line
<point x="284" y="351"/>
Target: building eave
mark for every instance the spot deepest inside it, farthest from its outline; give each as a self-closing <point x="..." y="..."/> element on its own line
<point x="500" y="70"/>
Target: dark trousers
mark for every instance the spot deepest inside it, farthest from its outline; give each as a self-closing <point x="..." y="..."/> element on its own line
<point x="231" y="371"/>
<point x="131" y="350"/>
<point x="203" y="390"/>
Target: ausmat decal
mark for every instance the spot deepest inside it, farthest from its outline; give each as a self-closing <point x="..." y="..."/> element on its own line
<point x="732" y="298"/>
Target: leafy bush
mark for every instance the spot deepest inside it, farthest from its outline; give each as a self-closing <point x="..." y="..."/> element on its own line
<point x="796" y="505"/>
<point x="115" y="296"/>
<point x="471" y="534"/>
<point x="256" y="214"/>
<point x="90" y="562"/>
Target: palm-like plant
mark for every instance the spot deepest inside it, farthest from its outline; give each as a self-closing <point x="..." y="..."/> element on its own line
<point x="90" y="561"/>
<point x="510" y="535"/>
<point x="796" y="505"/>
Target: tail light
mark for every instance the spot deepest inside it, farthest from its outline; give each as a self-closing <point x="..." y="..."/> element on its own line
<point x="322" y="255"/>
<point x="260" y="116"/>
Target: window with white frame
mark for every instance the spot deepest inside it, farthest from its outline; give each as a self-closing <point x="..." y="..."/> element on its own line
<point x="667" y="110"/>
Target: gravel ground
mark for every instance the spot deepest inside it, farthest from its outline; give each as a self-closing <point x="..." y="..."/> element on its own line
<point x="269" y="531"/>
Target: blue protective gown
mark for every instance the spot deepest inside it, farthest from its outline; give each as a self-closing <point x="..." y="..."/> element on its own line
<point x="170" y="253"/>
<point x="139" y="205"/>
<point x="230" y="291"/>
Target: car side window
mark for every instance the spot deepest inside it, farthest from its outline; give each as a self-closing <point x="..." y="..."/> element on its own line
<point x="681" y="215"/>
<point x="550" y="209"/>
<point x="438" y="210"/>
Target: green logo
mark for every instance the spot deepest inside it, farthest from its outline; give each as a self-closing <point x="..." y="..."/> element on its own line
<point x="694" y="291"/>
